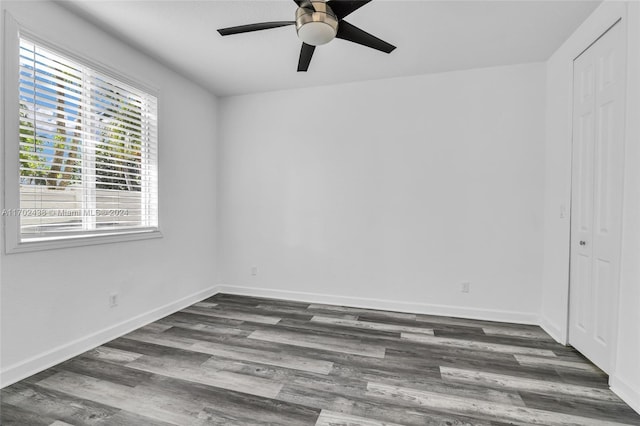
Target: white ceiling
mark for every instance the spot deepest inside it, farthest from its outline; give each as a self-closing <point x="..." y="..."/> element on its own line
<point x="431" y="36"/>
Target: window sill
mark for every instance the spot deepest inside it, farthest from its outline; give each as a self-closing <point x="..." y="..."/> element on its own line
<point x="80" y="241"/>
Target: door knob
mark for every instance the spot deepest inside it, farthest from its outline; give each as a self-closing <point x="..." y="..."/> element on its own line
<point x="583" y="243"/>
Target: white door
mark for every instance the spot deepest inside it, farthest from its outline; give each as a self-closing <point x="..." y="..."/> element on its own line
<point x="596" y="205"/>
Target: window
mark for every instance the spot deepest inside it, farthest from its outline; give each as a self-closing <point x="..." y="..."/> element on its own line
<point x="88" y="146"/>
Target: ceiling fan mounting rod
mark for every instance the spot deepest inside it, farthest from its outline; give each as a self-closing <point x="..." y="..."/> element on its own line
<point x="316" y="23"/>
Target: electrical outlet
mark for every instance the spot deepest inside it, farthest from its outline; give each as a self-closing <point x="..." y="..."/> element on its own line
<point x="563" y="211"/>
<point x="465" y="287"/>
<point x="114" y="299"/>
<point x="254" y="271"/>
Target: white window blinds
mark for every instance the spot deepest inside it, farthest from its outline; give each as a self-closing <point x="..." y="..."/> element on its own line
<point x="88" y="150"/>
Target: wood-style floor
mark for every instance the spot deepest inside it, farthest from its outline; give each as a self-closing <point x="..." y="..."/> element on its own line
<point x="233" y="360"/>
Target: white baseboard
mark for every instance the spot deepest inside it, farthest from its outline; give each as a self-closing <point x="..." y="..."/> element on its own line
<point x="553" y="330"/>
<point x="40" y="362"/>
<point x="62" y="353"/>
<point x="386" y="305"/>
<point x="626" y="392"/>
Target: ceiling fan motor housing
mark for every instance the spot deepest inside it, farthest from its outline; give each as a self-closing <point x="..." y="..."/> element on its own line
<point x="316" y="23"/>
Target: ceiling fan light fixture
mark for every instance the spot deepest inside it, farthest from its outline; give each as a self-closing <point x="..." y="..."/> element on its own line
<point x="316" y="33"/>
<point x="316" y="23"/>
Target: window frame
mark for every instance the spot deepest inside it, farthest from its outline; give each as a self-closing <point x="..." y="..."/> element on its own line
<point x="13" y="31"/>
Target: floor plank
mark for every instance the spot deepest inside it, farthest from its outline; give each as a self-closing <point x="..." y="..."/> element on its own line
<point x="332" y="418"/>
<point x="524" y="384"/>
<point x="370" y="325"/>
<point x="333" y="344"/>
<point x="208" y="376"/>
<point x="481" y="409"/>
<point x="478" y="345"/>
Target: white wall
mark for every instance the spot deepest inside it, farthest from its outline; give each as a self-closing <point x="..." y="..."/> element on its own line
<point x="55" y="303"/>
<point x="625" y="379"/>
<point x="389" y="193"/>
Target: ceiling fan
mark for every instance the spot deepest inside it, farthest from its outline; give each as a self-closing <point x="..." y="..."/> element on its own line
<point x="317" y="23"/>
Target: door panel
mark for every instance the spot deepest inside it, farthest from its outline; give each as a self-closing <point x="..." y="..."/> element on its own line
<point x="581" y="316"/>
<point x="597" y="181"/>
<point x="603" y="158"/>
<point x="601" y="292"/>
<point x="584" y="167"/>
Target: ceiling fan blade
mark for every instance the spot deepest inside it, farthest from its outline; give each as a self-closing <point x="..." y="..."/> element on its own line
<point x="306" y="53"/>
<point x="253" y="27"/>
<point x="349" y="32"/>
<point x="343" y="8"/>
